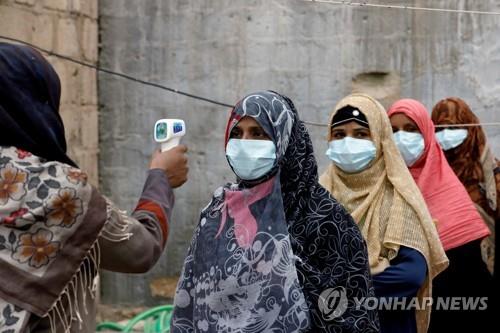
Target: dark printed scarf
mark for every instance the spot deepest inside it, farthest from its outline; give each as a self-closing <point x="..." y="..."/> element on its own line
<point x="264" y="251"/>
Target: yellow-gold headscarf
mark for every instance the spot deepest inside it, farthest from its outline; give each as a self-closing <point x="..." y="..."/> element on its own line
<point x="386" y="203"/>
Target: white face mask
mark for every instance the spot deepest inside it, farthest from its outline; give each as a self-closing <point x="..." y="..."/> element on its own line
<point x="451" y="138"/>
<point x="251" y="159"/>
<point x="351" y="155"/>
<point x="411" y="145"/>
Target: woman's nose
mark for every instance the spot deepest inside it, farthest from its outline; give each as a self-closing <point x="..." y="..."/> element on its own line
<point x="246" y="136"/>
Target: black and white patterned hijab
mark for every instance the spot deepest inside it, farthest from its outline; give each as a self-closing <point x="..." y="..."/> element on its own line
<point x="265" y="250"/>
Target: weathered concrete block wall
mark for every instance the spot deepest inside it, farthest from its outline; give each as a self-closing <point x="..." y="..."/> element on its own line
<point x="314" y="53"/>
<point x="68" y="27"/>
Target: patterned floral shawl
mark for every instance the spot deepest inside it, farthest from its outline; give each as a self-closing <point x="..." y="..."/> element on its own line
<point x="264" y="251"/>
<point x="50" y="219"/>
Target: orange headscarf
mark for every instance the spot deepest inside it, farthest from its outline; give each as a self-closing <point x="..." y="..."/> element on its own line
<point x="475" y="166"/>
<point x="472" y="161"/>
<point x="458" y="221"/>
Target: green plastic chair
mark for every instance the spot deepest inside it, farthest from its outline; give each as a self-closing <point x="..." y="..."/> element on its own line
<point x="156" y="320"/>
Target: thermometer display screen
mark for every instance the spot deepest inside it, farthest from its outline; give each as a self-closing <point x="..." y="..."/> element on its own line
<point x="177" y="127"/>
<point x="161" y="131"/>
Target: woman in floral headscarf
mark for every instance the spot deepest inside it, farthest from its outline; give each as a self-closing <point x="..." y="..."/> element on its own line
<point x="270" y="244"/>
<point x="56" y="230"/>
<point x="369" y="176"/>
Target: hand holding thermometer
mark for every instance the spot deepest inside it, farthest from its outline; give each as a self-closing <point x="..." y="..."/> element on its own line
<point x="168" y="132"/>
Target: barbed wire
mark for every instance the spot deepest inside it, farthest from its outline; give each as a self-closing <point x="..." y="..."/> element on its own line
<point x="173" y="90"/>
<point x="437" y="126"/>
<point x="468" y="125"/>
<point x="122" y="75"/>
<point x="428" y="9"/>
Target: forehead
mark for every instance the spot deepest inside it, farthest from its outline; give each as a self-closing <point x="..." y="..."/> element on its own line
<point x="247" y="122"/>
<point x="352" y="125"/>
<point x="401" y="118"/>
<point x="446" y="117"/>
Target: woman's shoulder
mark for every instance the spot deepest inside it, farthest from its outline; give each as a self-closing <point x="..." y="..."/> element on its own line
<point x="326" y="223"/>
<point x="216" y="200"/>
<point x="322" y="208"/>
<point x="53" y="172"/>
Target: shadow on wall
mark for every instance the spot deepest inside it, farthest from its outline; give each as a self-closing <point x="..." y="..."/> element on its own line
<point x="384" y="86"/>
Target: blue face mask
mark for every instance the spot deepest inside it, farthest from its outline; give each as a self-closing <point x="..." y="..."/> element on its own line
<point x="451" y="138"/>
<point x="251" y="159"/>
<point x="411" y="146"/>
<point x="351" y="155"/>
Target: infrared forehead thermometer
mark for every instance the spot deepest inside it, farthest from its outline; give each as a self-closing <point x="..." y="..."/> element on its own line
<point x="168" y="132"/>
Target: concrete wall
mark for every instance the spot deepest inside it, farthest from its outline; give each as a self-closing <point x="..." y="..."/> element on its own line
<point x="314" y="53"/>
<point x="67" y="27"/>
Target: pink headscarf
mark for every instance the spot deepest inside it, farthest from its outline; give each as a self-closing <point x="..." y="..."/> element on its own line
<point x="458" y="221"/>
